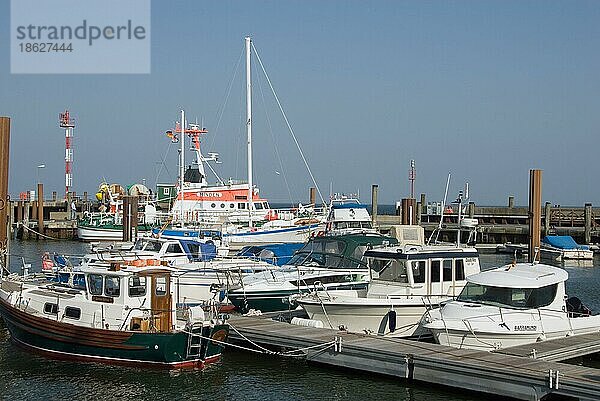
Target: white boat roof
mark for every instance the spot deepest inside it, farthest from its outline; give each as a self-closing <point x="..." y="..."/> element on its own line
<point x="408" y="250"/>
<point x="520" y="275"/>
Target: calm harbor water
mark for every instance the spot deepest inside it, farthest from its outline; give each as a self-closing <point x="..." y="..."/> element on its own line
<point x="239" y="376"/>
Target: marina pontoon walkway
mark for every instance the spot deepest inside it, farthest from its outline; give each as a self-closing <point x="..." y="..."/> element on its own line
<point x="520" y="377"/>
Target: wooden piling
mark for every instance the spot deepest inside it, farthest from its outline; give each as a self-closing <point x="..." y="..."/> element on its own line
<point x="419" y="213"/>
<point x="409" y="210"/>
<point x="312" y="195"/>
<point x="471" y="210"/>
<point x="4" y="159"/>
<point x="423" y="205"/>
<point x="40" y="208"/>
<point x="126" y="219"/>
<point x="134" y="218"/>
<point x="11" y="219"/>
<point x="547" y="217"/>
<point x="587" y="216"/>
<point x="511" y="201"/>
<point x="54" y="196"/>
<point x="374" y="193"/>
<point x="535" y="213"/>
<point x="130" y="218"/>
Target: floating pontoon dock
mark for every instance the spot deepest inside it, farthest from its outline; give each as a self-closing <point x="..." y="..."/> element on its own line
<point x="518" y="376"/>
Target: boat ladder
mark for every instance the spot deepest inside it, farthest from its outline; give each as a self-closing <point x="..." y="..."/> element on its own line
<point x="194" y="341"/>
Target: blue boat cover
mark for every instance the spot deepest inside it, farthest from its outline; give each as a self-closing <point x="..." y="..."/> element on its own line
<point x="353" y="205"/>
<point x="276" y="254"/>
<point x="563" y="242"/>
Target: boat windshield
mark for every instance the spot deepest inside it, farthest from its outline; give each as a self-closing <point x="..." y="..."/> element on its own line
<point x="352" y="224"/>
<point x="521" y="298"/>
<point x="328" y="253"/>
<point x="390" y="269"/>
<point x="147" y="245"/>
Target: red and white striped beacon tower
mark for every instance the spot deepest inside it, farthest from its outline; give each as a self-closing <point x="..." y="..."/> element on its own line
<point x="68" y="124"/>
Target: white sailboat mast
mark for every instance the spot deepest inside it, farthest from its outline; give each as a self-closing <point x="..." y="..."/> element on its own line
<point x="249" y="127"/>
<point x="182" y="160"/>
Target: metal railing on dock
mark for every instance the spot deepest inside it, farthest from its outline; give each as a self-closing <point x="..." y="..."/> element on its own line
<point x="517" y="377"/>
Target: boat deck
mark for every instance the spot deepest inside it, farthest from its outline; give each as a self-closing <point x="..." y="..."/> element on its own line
<point x="494" y="373"/>
<point x="559" y="349"/>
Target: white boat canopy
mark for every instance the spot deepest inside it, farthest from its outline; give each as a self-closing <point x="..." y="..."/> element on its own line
<point x="520" y="275"/>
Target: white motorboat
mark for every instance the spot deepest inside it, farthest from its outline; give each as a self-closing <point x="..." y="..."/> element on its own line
<point x="564" y="247"/>
<point x="509" y="306"/>
<point x="329" y="262"/>
<point x="406" y="281"/>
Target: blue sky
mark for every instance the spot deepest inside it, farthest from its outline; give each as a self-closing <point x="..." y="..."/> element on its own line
<point x="485" y="90"/>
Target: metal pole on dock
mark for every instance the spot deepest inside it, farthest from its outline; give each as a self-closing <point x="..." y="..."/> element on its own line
<point x="4" y="159"/>
<point x="40" y="207"/>
<point x="535" y="213"/>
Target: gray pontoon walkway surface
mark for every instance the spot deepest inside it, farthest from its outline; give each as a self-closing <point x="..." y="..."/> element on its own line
<point x="513" y="376"/>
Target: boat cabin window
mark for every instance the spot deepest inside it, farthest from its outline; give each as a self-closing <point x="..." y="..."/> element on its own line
<point x="51" y="308"/>
<point x="241" y="206"/>
<point x="459" y="269"/>
<point x="523" y="298"/>
<point x="258" y="206"/>
<point x="447" y="269"/>
<point x="174" y="248"/>
<point x="161" y="286"/>
<point x="390" y="269"/>
<point x="95" y="284"/>
<point x="435" y="271"/>
<point x="72" y="313"/>
<point x="112" y="286"/>
<point x="137" y="286"/>
<point x="194" y="250"/>
<point x="418" y="271"/>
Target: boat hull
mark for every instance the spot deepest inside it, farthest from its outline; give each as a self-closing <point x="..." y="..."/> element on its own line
<point x="113" y="233"/>
<point x="479" y="339"/>
<point x="368" y="318"/>
<point x="279" y="300"/>
<point x="66" y="341"/>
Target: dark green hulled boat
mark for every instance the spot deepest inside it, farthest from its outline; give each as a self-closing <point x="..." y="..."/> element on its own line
<point x="329" y="262"/>
<point x="105" y="227"/>
<point x="118" y="317"/>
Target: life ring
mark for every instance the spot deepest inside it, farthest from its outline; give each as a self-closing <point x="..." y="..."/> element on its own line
<point x="219" y="336"/>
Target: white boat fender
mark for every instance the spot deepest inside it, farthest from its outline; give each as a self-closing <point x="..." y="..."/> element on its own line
<point x="298" y="321"/>
<point x="196" y="314"/>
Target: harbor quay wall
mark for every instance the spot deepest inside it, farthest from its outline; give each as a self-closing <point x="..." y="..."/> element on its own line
<point x="496" y="224"/>
<point x="501" y="224"/>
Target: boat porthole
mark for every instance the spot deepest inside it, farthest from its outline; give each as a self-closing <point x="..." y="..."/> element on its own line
<point x="156" y="346"/>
